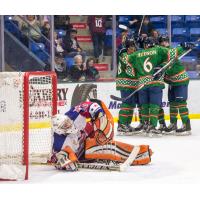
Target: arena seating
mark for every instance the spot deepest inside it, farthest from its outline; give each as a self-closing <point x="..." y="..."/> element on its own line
<point x="192" y="21"/>
<point x="159" y="21"/>
<point x="12" y="26"/>
<point x="39" y="50"/>
<point x="178" y="21"/>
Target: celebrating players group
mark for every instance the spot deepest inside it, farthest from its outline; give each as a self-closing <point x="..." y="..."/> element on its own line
<point x="137" y="68"/>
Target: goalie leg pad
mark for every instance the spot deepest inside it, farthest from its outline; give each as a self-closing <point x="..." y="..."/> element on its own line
<point x="116" y="151"/>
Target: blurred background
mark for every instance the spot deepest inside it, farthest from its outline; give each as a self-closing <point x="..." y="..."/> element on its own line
<point x="84" y="48"/>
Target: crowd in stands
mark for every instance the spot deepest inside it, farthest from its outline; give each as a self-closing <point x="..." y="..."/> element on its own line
<point x="137" y="26"/>
<point x="71" y="61"/>
<point x="35" y="35"/>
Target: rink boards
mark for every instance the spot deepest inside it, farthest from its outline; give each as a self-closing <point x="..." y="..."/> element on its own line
<point x="67" y="94"/>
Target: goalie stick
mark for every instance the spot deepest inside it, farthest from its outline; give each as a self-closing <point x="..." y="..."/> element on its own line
<point x="98" y="166"/>
<point x="130" y="159"/>
<point x="105" y="167"/>
<point x="162" y="69"/>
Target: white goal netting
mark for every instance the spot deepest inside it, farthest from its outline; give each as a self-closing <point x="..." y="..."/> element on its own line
<point x="15" y="115"/>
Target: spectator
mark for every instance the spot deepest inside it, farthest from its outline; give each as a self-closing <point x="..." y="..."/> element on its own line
<point x="71" y="45"/>
<point x="92" y="73"/>
<point x="60" y="67"/>
<point x="46" y="29"/>
<point x="78" y="70"/>
<point x="97" y="29"/>
<point x="134" y="22"/>
<point x="32" y="28"/>
<point x="63" y="22"/>
<point x="58" y="43"/>
<point x="121" y="39"/>
<point x="155" y="35"/>
<point x="146" y="27"/>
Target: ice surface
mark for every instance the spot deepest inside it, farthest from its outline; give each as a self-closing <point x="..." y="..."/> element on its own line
<point x="176" y="159"/>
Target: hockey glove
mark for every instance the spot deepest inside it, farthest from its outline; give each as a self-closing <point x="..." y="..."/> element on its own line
<point x="187" y="45"/>
<point x="157" y="76"/>
<point x="64" y="163"/>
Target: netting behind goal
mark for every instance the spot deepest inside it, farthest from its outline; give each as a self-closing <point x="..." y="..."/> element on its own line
<point x="27" y="102"/>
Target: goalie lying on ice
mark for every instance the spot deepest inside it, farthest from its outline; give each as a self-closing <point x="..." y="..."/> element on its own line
<point x="85" y="133"/>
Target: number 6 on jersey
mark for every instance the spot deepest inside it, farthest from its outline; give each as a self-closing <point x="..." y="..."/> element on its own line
<point x="147" y="65"/>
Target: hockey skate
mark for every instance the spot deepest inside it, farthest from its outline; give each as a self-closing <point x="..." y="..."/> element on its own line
<point x="153" y="132"/>
<point x="184" y="130"/>
<point x="125" y="130"/>
<point x="171" y="129"/>
<point x="141" y="128"/>
<point x="162" y="128"/>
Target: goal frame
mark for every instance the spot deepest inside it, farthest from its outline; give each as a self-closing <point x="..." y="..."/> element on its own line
<point x="26" y="112"/>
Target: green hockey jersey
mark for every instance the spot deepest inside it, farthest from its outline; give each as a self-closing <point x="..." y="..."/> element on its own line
<point x="125" y="79"/>
<point x="176" y="75"/>
<point x="145" y="61"/>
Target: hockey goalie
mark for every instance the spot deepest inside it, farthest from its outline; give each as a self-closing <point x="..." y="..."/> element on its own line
<point x="85" y="134"/>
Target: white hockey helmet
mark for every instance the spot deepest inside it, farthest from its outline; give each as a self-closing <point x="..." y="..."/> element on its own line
<point x="95" y="111"/>
<point x="63" y="125"/>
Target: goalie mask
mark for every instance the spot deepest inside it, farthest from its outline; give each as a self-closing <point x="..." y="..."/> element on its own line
<point x="95" y="111"/>
<point x="63" y="125"/>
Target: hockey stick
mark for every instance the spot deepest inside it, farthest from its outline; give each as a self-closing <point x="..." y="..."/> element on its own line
<point x="130" y="159"/>
<point x="171" y="62"/>
<point x="88" y="165"/>
<point x="162" y="69"/>
<point x="99" y="166"/>
<point x="141" y="25"/>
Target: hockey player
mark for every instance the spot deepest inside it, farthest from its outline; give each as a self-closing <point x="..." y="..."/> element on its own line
<point x="144" y="62"/>
<point x="178" y="81"/>
<point x="126" y="83"/>
<point x="86" y="132"/>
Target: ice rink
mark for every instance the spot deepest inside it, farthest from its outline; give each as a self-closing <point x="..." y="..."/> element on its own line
<point x="176" y="159"/>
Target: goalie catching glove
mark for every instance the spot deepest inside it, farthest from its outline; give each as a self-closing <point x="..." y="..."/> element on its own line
<point x="66" y="160"/>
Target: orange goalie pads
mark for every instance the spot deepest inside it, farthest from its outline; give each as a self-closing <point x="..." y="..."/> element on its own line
<point x="104" y="126"/>
<point x="116" y="151"/>
<point x="71" y="155"/>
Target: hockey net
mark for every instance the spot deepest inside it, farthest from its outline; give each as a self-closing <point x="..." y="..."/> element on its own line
<point x="27" y="103"/>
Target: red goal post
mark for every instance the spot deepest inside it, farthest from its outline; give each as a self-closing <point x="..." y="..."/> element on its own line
<point x="27" y="102"/>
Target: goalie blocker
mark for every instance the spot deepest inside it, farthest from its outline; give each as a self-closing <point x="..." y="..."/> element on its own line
<point x="86" y="133"/>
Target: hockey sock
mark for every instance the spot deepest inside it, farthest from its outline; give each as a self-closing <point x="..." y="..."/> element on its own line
<point x="139" y="111"/>
<point x="183" y="111"/>
<point x="144" y="113"/>
<point x="161" y="116"/>
<point x="153" y="114"/>
<point x="173" y="109"/>
<point x="125" y="113"/>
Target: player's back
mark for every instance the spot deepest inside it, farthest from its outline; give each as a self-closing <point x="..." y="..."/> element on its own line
<point x="144" y="63"/>
<point x="145" y="60"/>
